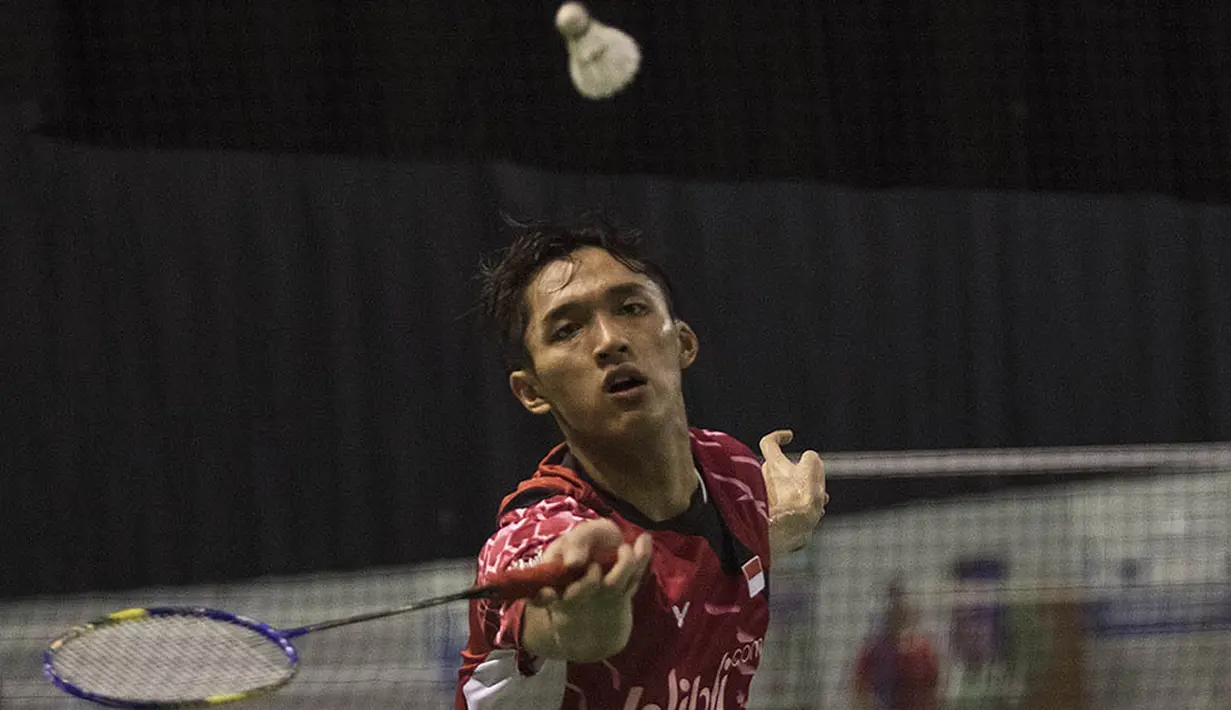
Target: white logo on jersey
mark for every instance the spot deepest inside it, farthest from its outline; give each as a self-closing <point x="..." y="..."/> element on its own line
<point x="679" y="614"/>
<point x="685" y="694"/>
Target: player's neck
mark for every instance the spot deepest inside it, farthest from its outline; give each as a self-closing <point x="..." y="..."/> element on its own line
<point x="655" y="473"/>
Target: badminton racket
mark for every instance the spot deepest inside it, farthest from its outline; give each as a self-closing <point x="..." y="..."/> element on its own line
<point x="178" y="656"/>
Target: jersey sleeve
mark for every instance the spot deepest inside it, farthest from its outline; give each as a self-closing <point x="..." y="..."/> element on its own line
<point x="747" y="482"/>
<point x="521" y="540"/>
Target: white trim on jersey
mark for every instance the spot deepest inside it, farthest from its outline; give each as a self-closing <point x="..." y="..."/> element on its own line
<point x="497" y="683"/>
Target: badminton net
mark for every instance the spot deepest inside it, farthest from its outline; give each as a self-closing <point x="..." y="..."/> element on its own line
<point x="1081" y="578"/>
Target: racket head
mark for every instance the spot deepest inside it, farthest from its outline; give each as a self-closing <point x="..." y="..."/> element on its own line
<point x="170" y="657"/>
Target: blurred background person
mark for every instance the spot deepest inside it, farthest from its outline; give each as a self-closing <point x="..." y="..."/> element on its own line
<point x="897" y="667"/>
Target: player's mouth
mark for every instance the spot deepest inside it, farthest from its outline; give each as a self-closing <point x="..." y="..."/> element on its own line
<point x="624" y="381"/>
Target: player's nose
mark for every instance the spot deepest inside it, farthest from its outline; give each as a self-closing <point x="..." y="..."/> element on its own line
<point x="612" y="342"/>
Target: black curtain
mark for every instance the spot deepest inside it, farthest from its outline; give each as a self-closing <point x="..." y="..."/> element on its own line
<point x="1035" y="94"/>
<point x="226" y="364"/>
<point x="236" y="243"/>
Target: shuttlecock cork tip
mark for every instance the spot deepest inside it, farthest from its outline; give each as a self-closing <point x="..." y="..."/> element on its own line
<point x="572" y="19"/>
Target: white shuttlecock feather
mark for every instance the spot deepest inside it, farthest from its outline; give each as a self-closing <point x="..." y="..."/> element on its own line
<point x="601" y="60"/>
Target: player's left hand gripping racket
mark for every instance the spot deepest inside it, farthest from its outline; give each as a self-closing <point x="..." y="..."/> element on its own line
<point x="174" y="657"/>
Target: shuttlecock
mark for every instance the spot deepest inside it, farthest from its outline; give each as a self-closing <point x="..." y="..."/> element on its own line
<point x="601" y="60"/>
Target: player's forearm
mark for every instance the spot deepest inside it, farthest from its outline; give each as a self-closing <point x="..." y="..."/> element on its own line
<point x="581" y="635"/>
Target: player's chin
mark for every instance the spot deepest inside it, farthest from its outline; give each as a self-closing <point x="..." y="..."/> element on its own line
<point x="636" y="424"/>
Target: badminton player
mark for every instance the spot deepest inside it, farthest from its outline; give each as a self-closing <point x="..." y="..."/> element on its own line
<point x="679" y="620"/>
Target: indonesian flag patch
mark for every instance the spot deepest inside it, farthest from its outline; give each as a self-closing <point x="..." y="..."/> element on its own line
<point x="755" y="575"/>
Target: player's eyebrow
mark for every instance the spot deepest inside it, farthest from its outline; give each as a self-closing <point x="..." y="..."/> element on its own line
<point x="627" y="288"/>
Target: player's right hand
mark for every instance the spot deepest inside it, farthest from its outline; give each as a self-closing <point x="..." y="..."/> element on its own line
<point x="591" y="618"/>
<point x="579" y="547"/>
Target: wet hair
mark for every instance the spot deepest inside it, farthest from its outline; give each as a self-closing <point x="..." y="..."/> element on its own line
<point x="505" y="274"/>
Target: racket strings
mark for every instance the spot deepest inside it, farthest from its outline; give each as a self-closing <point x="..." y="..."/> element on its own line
<point x="171" y="659"/>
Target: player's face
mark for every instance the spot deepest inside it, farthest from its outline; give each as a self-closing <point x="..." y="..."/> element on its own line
<point x="607" y="355"/>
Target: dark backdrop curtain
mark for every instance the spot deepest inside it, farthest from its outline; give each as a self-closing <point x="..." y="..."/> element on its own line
<point x="224" y="364"/>
<point x="1035" y="94"/>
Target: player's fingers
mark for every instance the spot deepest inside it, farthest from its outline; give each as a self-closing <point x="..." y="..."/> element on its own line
<point x="566" y="549"/>
<point x="642" y="553"/>
<point x="772" y="443"/>
<point x="617" y="573"/>
<point x="587" y="585"/>
<point x="546" y="596"/>
<point x="632" y="562"/>
<point x="555" y="550"/>
<point x="581" y="541"/>
<point x="574" y="553"/>
<point x="643" y="548"/>
<point x="574" y="546"/>
<point x="814" y="467"/>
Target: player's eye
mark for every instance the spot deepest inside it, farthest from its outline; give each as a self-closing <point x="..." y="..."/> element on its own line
<point x="634" y="308"/>
<point x="564" y="332"/>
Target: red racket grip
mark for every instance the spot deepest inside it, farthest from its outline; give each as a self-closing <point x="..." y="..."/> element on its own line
<point x="526" y="582"/>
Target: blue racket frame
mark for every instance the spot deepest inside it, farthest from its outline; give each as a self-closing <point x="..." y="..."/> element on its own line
<point x="280" y="638"/>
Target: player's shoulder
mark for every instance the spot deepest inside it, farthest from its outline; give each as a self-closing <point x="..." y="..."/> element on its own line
<point x="537" y="504"/>
<point x="729" y="464"/>
<point x="724" y="452"/>
<point x="524" y="532"/>
<point x="714" y="439"/>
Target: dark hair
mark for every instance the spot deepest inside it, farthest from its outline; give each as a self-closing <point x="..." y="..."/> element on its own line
<point x="505" y="274"/>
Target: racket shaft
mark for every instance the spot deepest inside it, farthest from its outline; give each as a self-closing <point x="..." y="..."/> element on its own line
<point x="507" y="586"/>
<point x="423" y="604"/>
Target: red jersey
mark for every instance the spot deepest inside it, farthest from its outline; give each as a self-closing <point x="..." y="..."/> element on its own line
<point x="699" y="617"/>
<point x="902" y="673"/>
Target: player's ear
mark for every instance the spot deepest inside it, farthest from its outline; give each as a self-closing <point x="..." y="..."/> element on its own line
<point x="689" y="344"/>
<point x="525" y="387"/>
